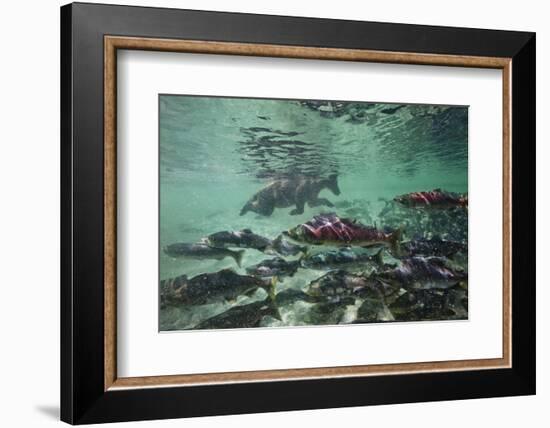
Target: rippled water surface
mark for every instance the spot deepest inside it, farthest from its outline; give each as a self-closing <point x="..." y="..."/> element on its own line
<point x="215" y="153"/>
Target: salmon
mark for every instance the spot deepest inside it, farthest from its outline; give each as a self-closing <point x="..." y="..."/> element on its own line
<point x="329" y="229"/>
<point x="437" y="199"/>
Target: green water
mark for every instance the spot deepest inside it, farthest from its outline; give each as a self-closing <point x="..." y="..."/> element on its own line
<point x="215" y="153"/>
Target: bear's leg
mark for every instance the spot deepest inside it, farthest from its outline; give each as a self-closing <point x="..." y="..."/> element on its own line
<point x="266" y="210"/>
<point x="299" y="208"/>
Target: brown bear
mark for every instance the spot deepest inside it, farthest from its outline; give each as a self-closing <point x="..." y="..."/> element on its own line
<point x="292" y="191"/>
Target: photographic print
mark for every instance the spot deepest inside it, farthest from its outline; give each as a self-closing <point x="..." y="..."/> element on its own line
<point x="288" y="212"/>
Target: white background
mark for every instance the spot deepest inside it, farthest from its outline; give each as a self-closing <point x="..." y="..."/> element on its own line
<point x="29" y="172"/>
<point x="142" y="351"/>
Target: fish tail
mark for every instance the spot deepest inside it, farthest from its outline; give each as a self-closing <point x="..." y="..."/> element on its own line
<point x="395" y="241"/>
<point x="268" y="249"/>
<point x="272" y="285"/>
<point x="304" y="260"/>
<point x="269" y="284"/>
<point x="238" y="256"/>
<point x="275" y="311"/>
<point x="303" y="257"/>
<point x="271" y="296"/>
<point x="273" y="246"/>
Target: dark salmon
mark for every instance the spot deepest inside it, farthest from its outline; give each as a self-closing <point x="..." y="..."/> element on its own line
<point x="424" y="273"/>
<point x="244" y="316"/>
<point x="208" y="288"/>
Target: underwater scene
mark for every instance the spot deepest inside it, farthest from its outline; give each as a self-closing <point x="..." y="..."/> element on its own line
<point x="279" y="212"/>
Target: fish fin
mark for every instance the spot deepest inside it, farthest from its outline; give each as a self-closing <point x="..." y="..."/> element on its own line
<point x="271" y="296"/>
<point x="395" y="241"/>
<point x="272" y="285"/>
<point x="302" y="257"/>
<point x="276" y="314"/>
<point x="274" y="244"/>
<point x="250" y="292"/>
<point x="379" y="257"/>
<point x="238" y="256"/>
<point x="269" y="284"/>
<point x="365" y="246"/>
<point x="268" y="249"/>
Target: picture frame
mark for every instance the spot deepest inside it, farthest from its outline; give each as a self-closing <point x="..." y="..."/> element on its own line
<point x="91" y="390"/>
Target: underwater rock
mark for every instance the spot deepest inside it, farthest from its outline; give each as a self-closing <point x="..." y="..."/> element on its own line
<point x="243" y="316"/>
<point x="209" y="287"/>
<point x="201" y="251"/>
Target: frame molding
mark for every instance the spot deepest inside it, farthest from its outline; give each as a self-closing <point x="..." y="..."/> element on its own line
<point x="113" y="43"/>
<point x="90" y="390"/>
